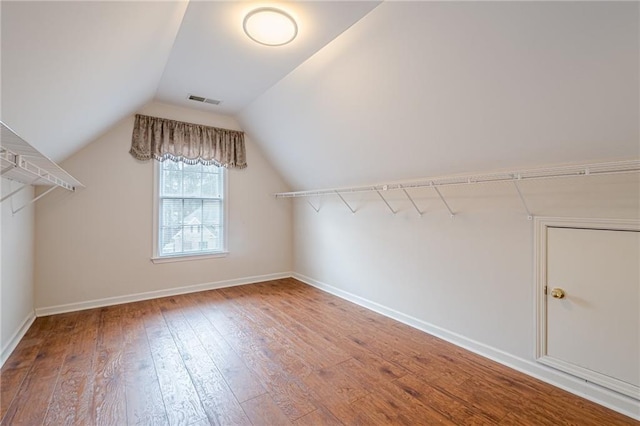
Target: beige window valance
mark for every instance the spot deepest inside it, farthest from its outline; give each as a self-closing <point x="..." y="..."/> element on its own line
<point x="164" y="139"/>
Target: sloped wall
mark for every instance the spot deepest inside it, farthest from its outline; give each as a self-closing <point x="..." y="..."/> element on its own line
<point x="96" y="244"/>
<point x="422" y="88"/>
<point x="418" y="89"/>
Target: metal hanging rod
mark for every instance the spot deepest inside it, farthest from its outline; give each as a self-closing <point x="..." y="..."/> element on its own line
<point x="592" y="169"/>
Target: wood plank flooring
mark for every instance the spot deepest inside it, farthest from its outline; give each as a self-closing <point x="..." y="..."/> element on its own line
<point x="274" y="353"/>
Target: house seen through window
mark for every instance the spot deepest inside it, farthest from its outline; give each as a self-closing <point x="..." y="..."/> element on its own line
<point x="190" y="209"/>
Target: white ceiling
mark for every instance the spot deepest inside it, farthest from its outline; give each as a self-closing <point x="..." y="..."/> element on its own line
<point x="413" y="89"/>
<point x="419" y="89"/>
<point x="71" y="70"/>
<point x="213" y="58"/>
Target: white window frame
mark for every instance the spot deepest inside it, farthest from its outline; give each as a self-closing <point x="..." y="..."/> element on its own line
<point x="155" y="257"/>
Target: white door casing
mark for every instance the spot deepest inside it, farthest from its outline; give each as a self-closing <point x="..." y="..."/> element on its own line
<point x="594" y="331"/>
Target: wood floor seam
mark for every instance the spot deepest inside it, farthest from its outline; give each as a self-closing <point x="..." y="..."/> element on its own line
<point x="272" y="353"/>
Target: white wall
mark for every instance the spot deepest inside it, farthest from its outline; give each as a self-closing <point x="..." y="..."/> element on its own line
<point x="469" y="279"/>
<point x="16" y="268"/>
<point x="418" y="89"/>
<point x="97" y="243"/>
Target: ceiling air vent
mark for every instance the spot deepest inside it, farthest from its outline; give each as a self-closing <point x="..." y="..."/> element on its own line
<point x="204" y="100"/>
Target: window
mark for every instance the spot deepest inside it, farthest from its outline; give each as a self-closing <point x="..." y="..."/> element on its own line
<point x="190" y="210"/>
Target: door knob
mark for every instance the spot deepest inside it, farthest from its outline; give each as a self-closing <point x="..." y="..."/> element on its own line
<point x="557" y="293"/>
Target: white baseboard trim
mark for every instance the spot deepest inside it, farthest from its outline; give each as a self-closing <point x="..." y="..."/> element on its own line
<point x="118" y="300"/>
<point x="592" y="392"/>
<point x="17" y="336"/>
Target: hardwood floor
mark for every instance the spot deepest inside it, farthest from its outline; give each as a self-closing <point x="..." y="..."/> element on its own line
<point x="275" y="353"/>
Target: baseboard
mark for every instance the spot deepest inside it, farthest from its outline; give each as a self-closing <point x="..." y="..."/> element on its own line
<point x="590" y="391"/>
<point x="17" y="336"/>
<point x="118" y="300"/>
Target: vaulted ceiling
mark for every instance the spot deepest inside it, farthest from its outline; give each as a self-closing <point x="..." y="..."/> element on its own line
<point x="367" y="93"/>
<point x="420" y="89"/>
<point x="70" y="70"/>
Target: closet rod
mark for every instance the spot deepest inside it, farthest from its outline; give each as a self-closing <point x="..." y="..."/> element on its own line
<point x="608" y="168"/>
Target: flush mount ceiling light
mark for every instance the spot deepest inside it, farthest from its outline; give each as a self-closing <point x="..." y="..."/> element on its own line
<point x="270" y="26"/>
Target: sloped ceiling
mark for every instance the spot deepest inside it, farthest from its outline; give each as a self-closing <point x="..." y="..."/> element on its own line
<point x="213" y="58"/>
<point x="70" y="70"/>
<point x="418" y="89"/>
<point x="413" y="89"/>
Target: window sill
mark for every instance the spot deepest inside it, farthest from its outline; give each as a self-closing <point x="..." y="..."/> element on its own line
<point x="182" y="258"/>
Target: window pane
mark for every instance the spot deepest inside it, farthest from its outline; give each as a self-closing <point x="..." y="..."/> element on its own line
<point x="211" y="185"/>
<point x="192" y="183"/>
<point x="171" y="212"/>
<point x="192" y="167"/>
<point x="192" y="212"/>
<point x="211" y="212"/>
<point x="170" y="240"/>
<point x="190" y="209"/>
<point x="212" y="237"/>
<point x="191" y="238"/>
<point x="171" y="184"/>
<point x="171" y="165"/>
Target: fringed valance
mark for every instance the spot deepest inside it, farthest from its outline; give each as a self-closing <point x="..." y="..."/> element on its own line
<point x="164" y="139"/>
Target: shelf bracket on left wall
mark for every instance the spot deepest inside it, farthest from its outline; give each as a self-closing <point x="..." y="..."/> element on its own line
<point x="28" y="203"/>
<point x="26" y="165"/>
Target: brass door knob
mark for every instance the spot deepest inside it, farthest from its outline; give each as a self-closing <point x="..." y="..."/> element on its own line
<point x="557" y="293"/>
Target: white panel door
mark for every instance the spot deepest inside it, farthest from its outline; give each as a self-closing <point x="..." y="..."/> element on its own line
<point x="594" y="330"/>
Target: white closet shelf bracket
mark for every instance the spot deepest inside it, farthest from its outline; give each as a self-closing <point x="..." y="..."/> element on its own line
<point x="524" y="203"/>
<point x="511" y="177"/>
<point x="412" y="202"/>
<point x="23" y="163"/>
<point x="386" y="202"/>
<point x="345" y="202"/>
<point x="451" y="213"/>
<point x="33" y="200"/>
<point x="14" y="192"/>
<point x="317" y="209"/>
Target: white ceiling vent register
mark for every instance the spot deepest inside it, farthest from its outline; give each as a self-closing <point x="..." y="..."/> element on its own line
<point x="203" y="99"/>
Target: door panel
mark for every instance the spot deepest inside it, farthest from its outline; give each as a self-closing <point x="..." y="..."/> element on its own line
<point x="596" y="326"/>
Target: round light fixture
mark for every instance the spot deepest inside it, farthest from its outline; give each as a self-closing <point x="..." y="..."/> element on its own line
<point x="270" y="26"/>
